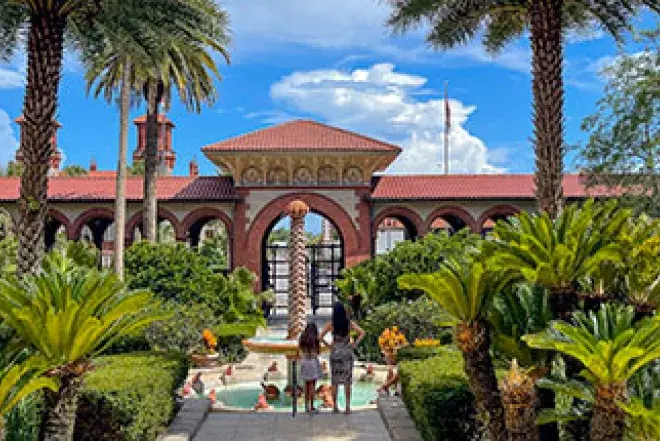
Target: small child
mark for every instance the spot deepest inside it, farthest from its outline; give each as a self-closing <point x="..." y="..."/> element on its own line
<point x="310" y="367"/>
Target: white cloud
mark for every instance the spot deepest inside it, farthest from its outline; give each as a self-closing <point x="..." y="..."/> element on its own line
<point x="8" y="140"/>
<point x="11" y="79"/>
<point x="383" y="103"/>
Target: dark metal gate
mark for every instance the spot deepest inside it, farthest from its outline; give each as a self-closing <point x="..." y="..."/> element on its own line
<point x="324" y="263"/>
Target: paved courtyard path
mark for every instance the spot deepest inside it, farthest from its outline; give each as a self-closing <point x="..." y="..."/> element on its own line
<point x="364" y="425"/>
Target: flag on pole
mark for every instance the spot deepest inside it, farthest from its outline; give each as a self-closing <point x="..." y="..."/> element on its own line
<point x="447" y="127"/>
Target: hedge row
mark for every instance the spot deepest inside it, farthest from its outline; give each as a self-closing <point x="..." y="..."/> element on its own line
<point x="130" y="397"/>
<point x="410" y="353"/>
<point x="438" y="398"/>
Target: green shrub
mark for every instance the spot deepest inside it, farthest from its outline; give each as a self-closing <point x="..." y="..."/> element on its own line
<point x="24" y="421"/>
<point x="129" y="397"/>
<point x="438" y="397"/>
<point x="230" y="340"/>
<point x="417" y="319"/>
<point x="182" y="332"/>
<point x="176" y="273"/>
<point x="422" y="256"/>
<point x="410" y="353"/>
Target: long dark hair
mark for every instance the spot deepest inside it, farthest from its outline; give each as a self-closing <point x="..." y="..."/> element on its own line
<point x="340" y="321"/>
<point x="309" y="339"/>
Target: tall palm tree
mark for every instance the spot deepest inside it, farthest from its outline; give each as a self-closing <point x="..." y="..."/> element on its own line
<point x="465" y="290"/>
<point x="119" y="52"/>
<point x="454" y="22"/>
<point x="184" y="63"/>
<point x="611" y="350"/>
<point x="19" y="380"/>
<point x="67" y="314"/>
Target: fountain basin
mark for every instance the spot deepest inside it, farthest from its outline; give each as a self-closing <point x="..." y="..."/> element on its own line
<point x="274" y="345"/>
<point x="243" y="396"/>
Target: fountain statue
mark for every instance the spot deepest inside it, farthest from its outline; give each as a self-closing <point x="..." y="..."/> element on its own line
<point x="297" y="313"/>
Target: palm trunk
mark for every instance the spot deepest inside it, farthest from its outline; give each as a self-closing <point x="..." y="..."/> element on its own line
<point x="59" y="417"/>
<point x="519" y="399"/>
<point x="474" y="341"/>
<point x="608" y="421"/>
<point x="548" y="91"/>
<point x="150" y="218"/>
<point x="120" y="201"/>
<point x="297" y="316"/>
<point x="45" y="51"/>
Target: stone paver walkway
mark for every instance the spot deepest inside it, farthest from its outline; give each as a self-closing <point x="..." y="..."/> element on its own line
<point x="359" y="426"/>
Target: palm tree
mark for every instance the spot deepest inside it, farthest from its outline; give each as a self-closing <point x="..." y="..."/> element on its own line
<point x="46" y="23"/>
<point x="19" y="380"/>
<point x="465" y="290"/>
<point x="455" y="22"/>
<point x="119" y="52"/>
<point x="560" y="254"/>
<point x="67" y="314"/>
<point x="185" y="63"/>
<point x="611" y="350"/>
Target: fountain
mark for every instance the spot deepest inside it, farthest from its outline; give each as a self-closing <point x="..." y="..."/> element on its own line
<point x="297" y="315"/>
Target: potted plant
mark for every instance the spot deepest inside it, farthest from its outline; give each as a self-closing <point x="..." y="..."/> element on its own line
<point x="206" y="355"/>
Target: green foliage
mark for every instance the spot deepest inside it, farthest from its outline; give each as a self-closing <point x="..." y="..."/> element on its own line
<point x="215" y="249"/>
<point x="8" y="249"/>
<point x="378" y="276"/>
<point x="418" y="319"/>
<point x="624" y="134"/>
<point x="130" y="397"/>
<point x="438" y="397"/>
<point x="410" y="353"/>
<point x="515" y="312"/>
<point x="68" y="313"/>
<point x="560" y="254"/>
<point x="24" y="421"/>
<point x="464" y="289"/>
<point x="74" y="170"/>
<point x="606" y="343"/>
<point x="182" y="332"/>
<point x="644" y="407"/>
<point x="20" y="380"/>
<point x="83" y="254"/>
<point x="136" y="168"/>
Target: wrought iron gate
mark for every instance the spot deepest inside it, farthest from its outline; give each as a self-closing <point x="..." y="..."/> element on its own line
<point x="324" y="263"/>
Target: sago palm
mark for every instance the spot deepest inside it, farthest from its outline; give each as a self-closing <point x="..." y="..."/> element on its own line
<point x="18" y="381"/>
<point x="68" y="314"/>
<point x="611" y="350"/>
<point x="46" y="23"/>
<point x="465" y="290"/>
<point x="455" y="22"/>
<point x="560" y="254"/>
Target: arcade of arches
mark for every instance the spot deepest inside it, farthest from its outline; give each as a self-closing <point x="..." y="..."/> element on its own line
<point x="336" y="172"/>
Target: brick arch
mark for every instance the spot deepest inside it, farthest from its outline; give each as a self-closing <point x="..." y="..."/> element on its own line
<point x="452" y="210"/>
<point x="497" y="211"/>
<point x="401" y="213"/>
<point x="248" y="252"/>
<point x="136" y="220"/>
<point x="83" y="218"/>
<point x="205" y="213"/>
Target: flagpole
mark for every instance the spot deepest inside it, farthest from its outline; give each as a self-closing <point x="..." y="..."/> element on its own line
<point x="447" y="126"/>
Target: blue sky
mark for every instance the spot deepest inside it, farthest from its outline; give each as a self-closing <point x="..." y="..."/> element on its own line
<point x="336" y="62"/>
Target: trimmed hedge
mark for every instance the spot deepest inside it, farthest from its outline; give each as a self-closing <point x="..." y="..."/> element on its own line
<point x="438" y="397"/>
<point x="130" y="397"/>
<point x="410" y="353"/>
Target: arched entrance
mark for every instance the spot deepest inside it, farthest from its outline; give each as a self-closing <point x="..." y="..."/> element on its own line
<point x="490" y="217"/>
<point x="328" y="258"/>
<point x="394" y="225"/>
<point x="325" y="260"/>
<point x="450" y="219"/>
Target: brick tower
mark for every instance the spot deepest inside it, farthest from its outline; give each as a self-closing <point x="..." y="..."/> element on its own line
<point x="166" y="156"/>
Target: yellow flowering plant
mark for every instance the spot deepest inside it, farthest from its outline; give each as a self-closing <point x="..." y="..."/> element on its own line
<point x="391" y="340"/>
<point x="426" y="343"/>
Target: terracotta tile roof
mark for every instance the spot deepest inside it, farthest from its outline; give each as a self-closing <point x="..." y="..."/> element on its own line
<point x="171" y="188"/>
<point x="471" y="187"/>
<point x="302" y="135"/>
